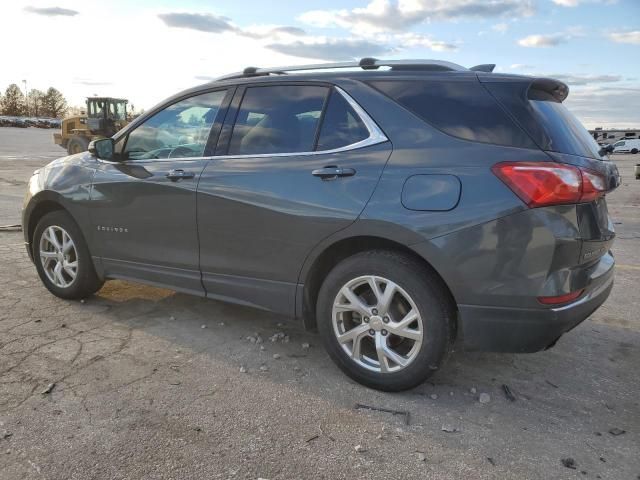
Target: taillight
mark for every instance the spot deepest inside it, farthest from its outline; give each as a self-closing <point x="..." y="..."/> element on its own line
<point x="560" y="299"/>
<point x="540" y="184"/>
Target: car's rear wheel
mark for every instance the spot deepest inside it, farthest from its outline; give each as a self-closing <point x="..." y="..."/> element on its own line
<point x="385" y="320"/>
<point x="62" y="257"/>
<point x="634" y="150"/>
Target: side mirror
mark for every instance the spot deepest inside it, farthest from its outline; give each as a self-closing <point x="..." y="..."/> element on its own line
<point x="102" y="148"/>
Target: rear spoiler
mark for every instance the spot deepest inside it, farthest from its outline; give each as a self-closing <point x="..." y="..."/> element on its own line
<point x="548" y="87"/>
<point x="543" y="88"/>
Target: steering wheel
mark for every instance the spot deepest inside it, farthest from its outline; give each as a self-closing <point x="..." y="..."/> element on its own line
<point x="181" y="151"/>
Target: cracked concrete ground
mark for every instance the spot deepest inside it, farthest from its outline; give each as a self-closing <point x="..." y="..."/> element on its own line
<point x="142" y="390"/>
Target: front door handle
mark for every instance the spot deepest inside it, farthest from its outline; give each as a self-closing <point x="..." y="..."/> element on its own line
<point x="332" y="171"/>
<point x="179" y="174"/>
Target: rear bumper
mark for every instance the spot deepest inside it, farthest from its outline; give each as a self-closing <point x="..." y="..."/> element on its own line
<point x="505" y="329"/>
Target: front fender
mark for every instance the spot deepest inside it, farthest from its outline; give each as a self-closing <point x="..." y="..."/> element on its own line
<point x="62" y="184"/>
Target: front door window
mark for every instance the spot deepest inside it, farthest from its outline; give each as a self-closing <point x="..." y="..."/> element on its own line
<point x="181" y="130"/>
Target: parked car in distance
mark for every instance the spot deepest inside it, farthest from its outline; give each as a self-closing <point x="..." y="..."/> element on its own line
<point x="395" y="206"/>
<point x="628" y="145"/>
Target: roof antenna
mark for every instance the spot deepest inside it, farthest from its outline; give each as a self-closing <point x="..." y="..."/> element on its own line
<point x="368" y="63"/>
<point x="249" y="71"/>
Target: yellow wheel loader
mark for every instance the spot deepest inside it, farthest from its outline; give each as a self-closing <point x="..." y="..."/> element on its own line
<point x="104" y="117"/>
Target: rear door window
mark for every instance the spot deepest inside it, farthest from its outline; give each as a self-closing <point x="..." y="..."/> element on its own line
<point x="463" y="109"/>
<point x="278" y="119"/>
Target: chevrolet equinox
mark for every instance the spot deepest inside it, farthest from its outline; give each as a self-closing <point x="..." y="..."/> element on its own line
<point x="394" y="206"/>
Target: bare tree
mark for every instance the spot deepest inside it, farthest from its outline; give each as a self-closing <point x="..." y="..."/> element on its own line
<point x="35" y="102"/>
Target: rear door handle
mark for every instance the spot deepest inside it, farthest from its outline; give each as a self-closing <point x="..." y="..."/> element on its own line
<point x="332" y="171"/>
<point x="179" y="174"/>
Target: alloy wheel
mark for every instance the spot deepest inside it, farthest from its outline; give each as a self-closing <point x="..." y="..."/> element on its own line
<point x="58" y="256"/>
<point x="377" y="324"/>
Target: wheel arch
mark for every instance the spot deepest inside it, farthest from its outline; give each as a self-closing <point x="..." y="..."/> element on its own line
<point x="317" y="270"/>
<point x="43" y="203"/>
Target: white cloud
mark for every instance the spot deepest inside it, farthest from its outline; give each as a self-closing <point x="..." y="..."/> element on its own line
<point x="52" y="11"/>
<point x="538" y="41"/>
<point x="632" y="37"/>
<point x="572" y="79"/>
<point x="500" y="27"/>
<point x="388" y="15"/>
<point x="424" y="41"/>
<point x="567" y="3"/>
<point x="599" y="106"/>
<point x="520" y="66"/>
<point x="575" y="3"/>
<point x="323" y="48"/>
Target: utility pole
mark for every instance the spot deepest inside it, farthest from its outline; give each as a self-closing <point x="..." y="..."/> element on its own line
<point x="26" y="95"/>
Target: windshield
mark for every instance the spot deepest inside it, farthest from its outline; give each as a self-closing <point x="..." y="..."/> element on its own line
<point x="566" y="133"/>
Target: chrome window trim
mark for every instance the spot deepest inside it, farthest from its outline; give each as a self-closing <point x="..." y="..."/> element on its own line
<point x="375" y="137"/>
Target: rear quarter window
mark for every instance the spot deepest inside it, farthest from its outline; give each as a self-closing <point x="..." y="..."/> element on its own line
<point x="461" y="109"/>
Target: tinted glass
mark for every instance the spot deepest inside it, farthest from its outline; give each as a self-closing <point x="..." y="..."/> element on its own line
<point x="277" y="119"/>
<point x="341" y="126"/>
<point x="462" y="109"/>
<point x="565" y="132"/>
<point x="179" y="131"/>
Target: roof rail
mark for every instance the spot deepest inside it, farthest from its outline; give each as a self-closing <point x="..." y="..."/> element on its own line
<point x="365" y="63"/>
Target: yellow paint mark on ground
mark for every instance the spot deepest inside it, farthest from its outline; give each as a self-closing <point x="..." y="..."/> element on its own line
<point x="622" y="266"/>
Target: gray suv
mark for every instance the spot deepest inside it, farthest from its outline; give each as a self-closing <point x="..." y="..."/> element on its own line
<point x="395" y="206"/>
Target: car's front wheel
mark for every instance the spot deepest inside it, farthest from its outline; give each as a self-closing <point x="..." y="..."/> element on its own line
<point x="62" y="257"/>
<point x="385" y="320"/>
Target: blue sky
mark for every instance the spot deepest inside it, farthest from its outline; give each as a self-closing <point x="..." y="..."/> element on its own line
<point x="149" y="49"/>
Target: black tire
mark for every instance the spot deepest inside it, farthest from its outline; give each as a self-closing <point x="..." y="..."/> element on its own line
<point x="86" y="281"/>
<point x="77" y="145"/>
<point x="428" y="294"/>
<point x="634" y="150"/>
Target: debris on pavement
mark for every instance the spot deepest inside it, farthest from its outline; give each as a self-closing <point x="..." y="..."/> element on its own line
<point x="421" y="456"/>
<point x="360" y="449"/>
<point x="276" y="356"/>
<point x="263" y="368"/>
<point x="172" y="318"/>
<point x="484" y="398"/>
<point x="491" y="461"/>
<point x="406" y="414"/>
<point x="312" y="438"/>
<point x="305" y="346"/>
<point x="49" y="388"/>
<point x="243" y="369"/>
<point x="569" y="463"/>
<point x="552" y="384"/>
<point x="508" y="393"/>
<point x="279" y="337"/>
<point x="434" y="396"/>
<point x="449" y="429"/>
<point x="617" y="431"/>
<point x="473" y="390"/>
